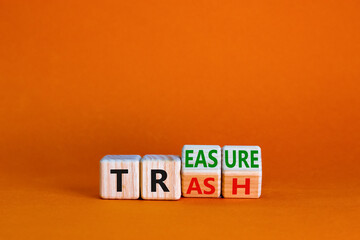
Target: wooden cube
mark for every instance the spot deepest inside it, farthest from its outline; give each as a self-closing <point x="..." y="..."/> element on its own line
<point x="160" y="177"/>
<point x="201" y="171"/>
<point x="241" y="172"/>
<point x="120" y="177"/>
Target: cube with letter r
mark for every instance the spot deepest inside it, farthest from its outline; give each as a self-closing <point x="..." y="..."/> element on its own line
<point x="160" y="177"/>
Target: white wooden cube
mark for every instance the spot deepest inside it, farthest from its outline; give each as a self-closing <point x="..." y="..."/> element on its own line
<point x="241" y="171"/>
<point x="160" y="177"/>
<point x="201" y="171"/>
<point x="120" y="177"/>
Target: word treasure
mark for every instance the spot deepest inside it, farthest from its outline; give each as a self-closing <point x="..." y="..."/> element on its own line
<point x="202" y="171"/>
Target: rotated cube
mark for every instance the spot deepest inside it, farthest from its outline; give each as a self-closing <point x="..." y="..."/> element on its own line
<point x="201" y="171"/>
<point x="241" y="171"/>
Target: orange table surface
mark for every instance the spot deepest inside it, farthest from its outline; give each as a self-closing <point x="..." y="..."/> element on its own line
<point x="82" y="79"/>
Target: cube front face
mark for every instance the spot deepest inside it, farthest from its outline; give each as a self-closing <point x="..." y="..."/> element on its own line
<point x="241" y="185"/>
<point x="201" y="171"/>
<point x="160" y="177"/>
<point x="119" y="177"/>
<point x="201" y="184"/>
<point x="241" y="171"/>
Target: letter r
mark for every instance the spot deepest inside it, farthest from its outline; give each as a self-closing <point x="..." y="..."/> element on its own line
<point x="160" y="181"/>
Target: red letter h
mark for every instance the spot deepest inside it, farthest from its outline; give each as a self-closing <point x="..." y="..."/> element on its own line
<point x="246" y="186"/>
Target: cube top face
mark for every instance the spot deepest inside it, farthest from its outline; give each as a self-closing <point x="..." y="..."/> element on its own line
<point x="241" y="158"/>
<point x="201" y="158"/>
<point x="121" y="158"/>
<point x="241" y="184"/>
<point x="158" y="157"/>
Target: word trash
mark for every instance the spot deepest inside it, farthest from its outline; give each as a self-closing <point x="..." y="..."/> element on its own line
<point x="202" y="171"/>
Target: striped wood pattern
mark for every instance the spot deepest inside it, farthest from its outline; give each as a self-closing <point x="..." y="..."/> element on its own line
<point x="201" y="171"/>
<point x="171" y="164"/>
<point x="130" y="181"/>
<point x="255" y="184"/>
<point x="201" y="176"/>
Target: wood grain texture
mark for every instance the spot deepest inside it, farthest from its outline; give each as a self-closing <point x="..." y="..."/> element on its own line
<point x="254" y="180"/>
<point x="130" y="181"/>
<point x="199" y="172"/>
<point x="171" y="164"/>
<point x="186" y="179"/>
<point x="242" y="167"/>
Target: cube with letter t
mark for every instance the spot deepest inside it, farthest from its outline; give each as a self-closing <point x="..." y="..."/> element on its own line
<point x="120" y="176"/>
<point x="241" y="172"/>
<point x="201" y="171"/>
<point x="160" y="177"/>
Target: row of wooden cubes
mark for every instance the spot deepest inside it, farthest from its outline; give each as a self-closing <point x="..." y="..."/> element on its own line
<point x="202" y="171"/>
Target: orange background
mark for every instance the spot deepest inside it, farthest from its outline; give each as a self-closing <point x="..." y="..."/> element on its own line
<point x="82" y="79"/>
